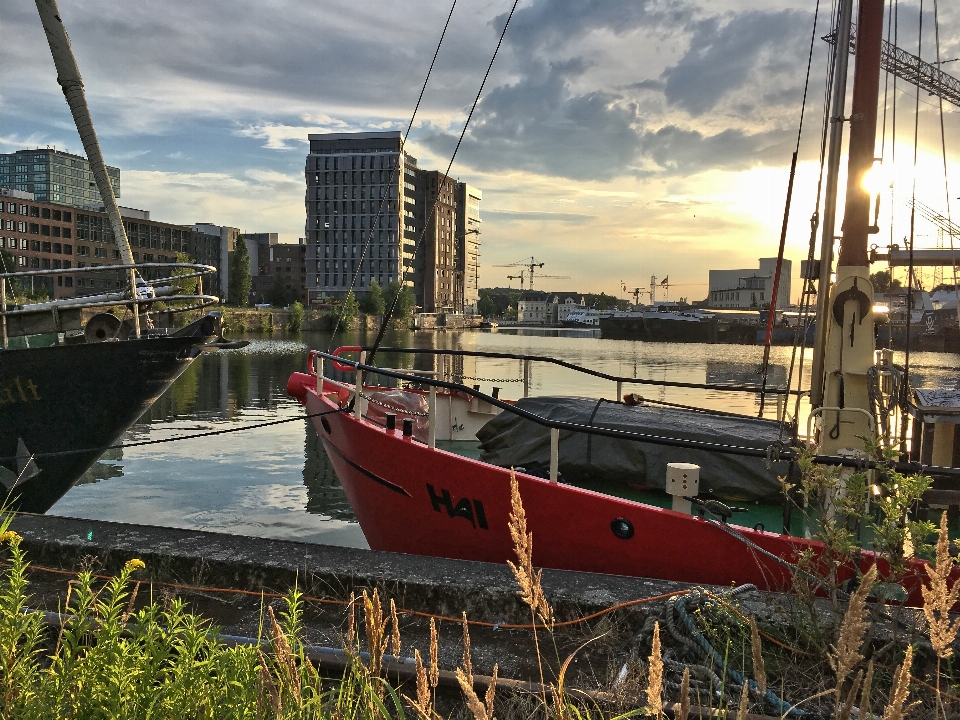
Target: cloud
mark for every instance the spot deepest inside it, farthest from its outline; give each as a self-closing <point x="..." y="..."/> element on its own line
<point x="728" y="52"/>
<point x="525" y="215"/>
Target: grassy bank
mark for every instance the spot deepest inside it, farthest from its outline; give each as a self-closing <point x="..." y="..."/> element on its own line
<point x="116" y="651"/>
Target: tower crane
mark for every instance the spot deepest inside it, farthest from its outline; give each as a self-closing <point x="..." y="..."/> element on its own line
<point x="531" y="264"/>
<point x="517" y="277"/>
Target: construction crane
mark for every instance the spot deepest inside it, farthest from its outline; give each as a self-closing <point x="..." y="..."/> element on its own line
<point x="531" y="265"/>
<point x="637" y="292"/>
<point x="517" y="277"/>
<point x="911" y="68"/>
<point x="939" y="257"/>
<point x="665" y="284"/>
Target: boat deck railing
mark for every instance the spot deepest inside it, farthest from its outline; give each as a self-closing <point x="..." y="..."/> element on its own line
<point x="163" y="290"/>
<point x="773" y="453"/>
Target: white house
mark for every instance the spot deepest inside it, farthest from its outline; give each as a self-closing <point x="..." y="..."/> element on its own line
<point x="750" y="288"/>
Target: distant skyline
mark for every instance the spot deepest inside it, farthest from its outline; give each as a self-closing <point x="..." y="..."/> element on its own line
<point x="615" y="139"/>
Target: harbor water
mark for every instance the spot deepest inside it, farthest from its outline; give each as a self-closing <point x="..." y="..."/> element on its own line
<point x="276" y="482"/>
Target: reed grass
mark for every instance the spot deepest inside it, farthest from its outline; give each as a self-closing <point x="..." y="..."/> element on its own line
<point x="113" y="659"/>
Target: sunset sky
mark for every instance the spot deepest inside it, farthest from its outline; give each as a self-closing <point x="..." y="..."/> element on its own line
<point x="615" y="139"/>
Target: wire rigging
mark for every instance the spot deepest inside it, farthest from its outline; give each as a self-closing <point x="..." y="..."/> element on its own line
<point x="771" y="317"/>
<point x="393" y="176"/>
<point x="393" y="306"/>
<point x="905" y="385"/>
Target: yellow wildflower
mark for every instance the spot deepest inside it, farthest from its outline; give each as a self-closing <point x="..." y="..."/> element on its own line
<point x="11" y="537"/>
<point x="133" y="565"/>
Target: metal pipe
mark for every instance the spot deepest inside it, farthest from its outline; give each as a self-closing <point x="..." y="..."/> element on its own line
<point x="68" y="76"/>
<point x="3" y="309"/>
<point x="554" y="454"/>
<point x="830" y="200"/>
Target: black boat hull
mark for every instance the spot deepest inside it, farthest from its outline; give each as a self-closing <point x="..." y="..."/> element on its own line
<point x="76" y="397"/>
<point x="668" y="330"/>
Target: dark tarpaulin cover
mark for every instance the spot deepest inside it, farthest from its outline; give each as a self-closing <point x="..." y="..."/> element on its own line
<point x="512" y="441"/>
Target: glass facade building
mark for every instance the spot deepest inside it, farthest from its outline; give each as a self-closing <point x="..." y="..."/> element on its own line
<point x="54" y="176"/>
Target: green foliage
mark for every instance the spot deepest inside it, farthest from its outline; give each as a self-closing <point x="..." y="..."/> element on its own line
<point x="240" y="277"/>
<point x="185" y="285"/>
<point x="279" y="295"/>
<point x="296" y="317"/>
<point x="487" y="307"/>
<point x="882" y="282"/>
<point x="372" y="302"/>
<point x="266" y="322"/>
<point x="349" y="309"/>
<point x="405" y="302"/>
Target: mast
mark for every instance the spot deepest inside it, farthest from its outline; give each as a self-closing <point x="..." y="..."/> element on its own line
<point x="828" y="227"/>
<point x="850" y="343"/>
<point x="68" y="76"/>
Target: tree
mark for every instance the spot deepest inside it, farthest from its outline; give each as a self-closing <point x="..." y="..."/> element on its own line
<point x="405" y="301"/>
<point x="487" y="307"/>
<point x="278" y="294"/>
<point x="372" y="302"/>
<point x="348" y="310"/>
<point x="296" y="317"/>
<point x="240" y="278"/>
<point x="882" y="282"/>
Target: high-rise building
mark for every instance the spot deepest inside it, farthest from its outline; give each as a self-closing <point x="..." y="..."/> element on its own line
<point x="360" y="186"/>
<point x="228" y="238"/>
<point x="55" y="176"/>
<point x="436" y="276"/>
<point x="467" y="235"/>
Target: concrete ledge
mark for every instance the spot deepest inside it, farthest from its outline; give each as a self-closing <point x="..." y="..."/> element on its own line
<point x="485" y="591"/>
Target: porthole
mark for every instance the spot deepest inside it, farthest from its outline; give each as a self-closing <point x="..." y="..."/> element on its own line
<point x="622" y="528"/>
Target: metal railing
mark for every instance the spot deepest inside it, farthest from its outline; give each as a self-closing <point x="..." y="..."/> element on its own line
<point x="121" y="298"/>
<point x="772" y="453"/>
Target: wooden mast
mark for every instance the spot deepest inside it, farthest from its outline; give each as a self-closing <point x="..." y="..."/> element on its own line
<point x="847" y="412"/>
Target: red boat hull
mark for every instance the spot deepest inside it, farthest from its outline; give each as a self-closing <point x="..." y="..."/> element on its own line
<point x="412" y="499"/>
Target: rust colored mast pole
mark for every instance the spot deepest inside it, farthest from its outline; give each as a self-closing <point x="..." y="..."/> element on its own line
<point x="863" y="134"/>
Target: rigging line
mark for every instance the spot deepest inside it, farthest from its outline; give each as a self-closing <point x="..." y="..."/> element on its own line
<point x="946" y="175"/>
<point x="433" y="210"/>
<point x="175" y="438"/>
<point x="913" y="216"/>
<point x="393" y="176"/>
<point x="803" y="321"/>
<point x="771" y="317"/>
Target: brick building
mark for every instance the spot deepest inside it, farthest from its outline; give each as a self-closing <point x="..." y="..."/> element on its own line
<point x="49" y="236"/>
<point x="283" y="265"/>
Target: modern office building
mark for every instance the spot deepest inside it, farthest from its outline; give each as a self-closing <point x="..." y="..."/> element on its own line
<point x="467" y="237"/>
<point x="437" y="281"/>
<point x="750" y="288"/>
<point x="360" y="186"/>
<point x="54" y="176"/>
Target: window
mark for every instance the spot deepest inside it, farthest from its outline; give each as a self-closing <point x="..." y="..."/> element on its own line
<point x="35" y="245"/>
<point x="67" y="217"/>
<point x="68" y="249"/>
<point x="21" y="261"/>
<point x="68" y="282"/>
<point x="34" y="229"/>
<point x="34" y="211"/>
<point x="67" y="264"/>
<point x="45" y="213"/>
<point x="83" y="251"/>
<point x="56" y="215"/>
<point x="66" y="231"/>
<point x="47" y="247"/>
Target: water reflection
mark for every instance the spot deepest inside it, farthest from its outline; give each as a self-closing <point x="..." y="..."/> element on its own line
<point x="276" y="481"/>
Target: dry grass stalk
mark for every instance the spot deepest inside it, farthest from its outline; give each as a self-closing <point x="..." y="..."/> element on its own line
<point x="395" y="630"/>
<point x="351" y="621"/>
<point x="939" y="598"/>
<point x="133" y="598"/>
<point x="531" y="591"/>
<point x="268" y="688"/>
<point x="376" y="626"/>
<point x="434" y="655"/>
<point x="847" y="709"/>
<point x="759" y="671"/>
<point x="847" y="653"/>
<point x="655" y="674"/>
<point x="422" y="705"/>
<point x="744" y="702"/>
<point x="491" y="692"/>
<point x="896" y="708"/>
<point x="684" y="711"/>
<point x="284" y="656"/>
<point x="865" y="692"/>
<point x="467" y="662"/>
<point x="476" y="707"/>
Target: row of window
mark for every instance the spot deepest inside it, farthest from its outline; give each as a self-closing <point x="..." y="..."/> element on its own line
<point x="36" y="246"/>
<point x="335" y="265"/>
<point x="362" y="162"/>
<point x="12" y="208"/>
<point x="34" y="228"/>
<point x="360" y="179"/>
<point x="35" y="263"/>
<point x="357" y="192"/>
<point x="353" y="236"/>
<point x="331" y="251"/>
<point x="344" y="280"/>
